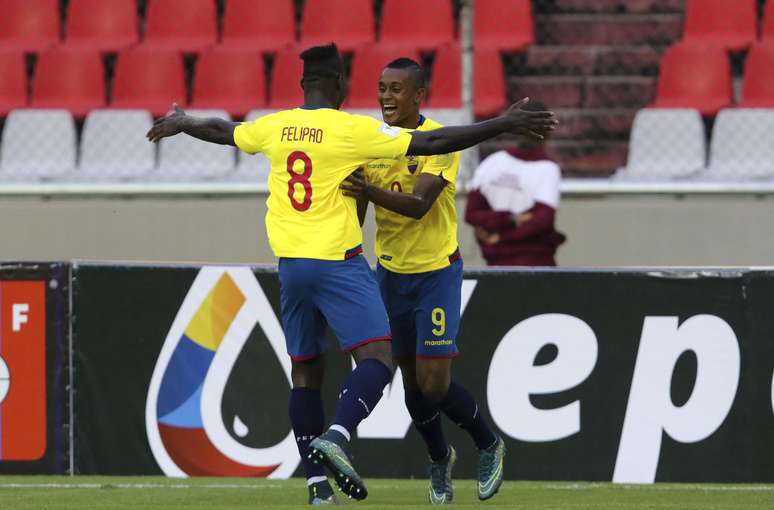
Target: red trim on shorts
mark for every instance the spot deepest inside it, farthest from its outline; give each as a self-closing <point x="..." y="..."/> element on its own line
<point x="445" y="356"/>
<point x="354" y="252"/>
<point x="387" y="338"/>
<point x="454" y="257"/>
<point x="304" y="358"/>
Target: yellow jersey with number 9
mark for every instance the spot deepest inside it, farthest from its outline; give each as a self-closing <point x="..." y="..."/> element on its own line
<point x="311" y="152"/>
<point x="403" y="244"/>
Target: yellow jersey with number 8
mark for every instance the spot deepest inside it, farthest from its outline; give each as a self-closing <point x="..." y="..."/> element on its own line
<point x="311" y="152"/>
<point x="403" y="244"/>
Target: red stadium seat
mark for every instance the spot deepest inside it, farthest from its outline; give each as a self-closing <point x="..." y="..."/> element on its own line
<point x="251" y="25"/>
<point x="29" y="25"/>
<point x="367" y="66"/>
<point x="230" y="80"/>
<point x="103" y="25"/>
<point x="504" y="25"/>
<point x="184" y="25"/>
<point x="759" y="78"/>
<point x="697" y="77"/>
<point x="13" y="82"/>
<point x="489" y="81"/>
<point x="489" y="96"/>
<point x="150" y="80"/>
<point x="69" y="79"/>
<point x="446" y="84"/>
<point x="348" y="23"/>
<point x="285" y="90"/>
<point x="768" y="22"/>
<point x="424" y="25"/>
<point x="730" y="25"/>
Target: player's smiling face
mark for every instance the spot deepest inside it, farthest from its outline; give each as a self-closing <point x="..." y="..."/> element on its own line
<point x="399" y="98"/>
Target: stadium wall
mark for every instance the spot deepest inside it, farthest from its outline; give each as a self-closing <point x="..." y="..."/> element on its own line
<point x="632" y="376"/>
<point x="603" y="230"/>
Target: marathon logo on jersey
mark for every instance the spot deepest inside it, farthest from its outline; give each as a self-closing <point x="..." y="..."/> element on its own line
<point x="22" y="370"/>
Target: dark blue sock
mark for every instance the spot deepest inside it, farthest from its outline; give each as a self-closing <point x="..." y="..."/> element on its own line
<point x="459" y="406"/>
<point x="427" y="420"/>
<point x="361" y="392"/>
<point x="308" y="420"/>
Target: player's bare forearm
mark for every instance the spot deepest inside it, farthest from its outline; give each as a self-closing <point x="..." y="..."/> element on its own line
<point x="455" y="138"/>
<point x="212" y="130"/>
<point x="405" y="204"/>
<point x="414" y="205"/>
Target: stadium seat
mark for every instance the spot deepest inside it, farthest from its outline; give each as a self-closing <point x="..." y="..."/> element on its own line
<point x="252" y="168"/>
<point x="114" y="147"/>
<point x="768" y="23"/>
<point x="424" y="25"/>
<point x="729" y="25"/>
<point x="697" y="77"/>
<point x="258" y="26"/>
<point x="665" y="145"/>
<point x="367" y="67"/>
<point x="184" y="158"/>
<point x="742" y="145"/>
<point x="232" y="80"/>
<point x="69" y="79"/>
<point x="37" y="145"/>
<point x="489" y="96"/>
<point x="489" y="81"/>
<point x="29" y="25"/>
<point x="503" y="25"/>
<point x="183" y="25"/>
<point x="13" y="81"/>
<point x="149" y="80"/>
<point x="103" y="25"/>
<point x="285" y="90"/>
<point x="446" y="79"/>
<point x="350" y="23"/>
<point x="758" y="89"/>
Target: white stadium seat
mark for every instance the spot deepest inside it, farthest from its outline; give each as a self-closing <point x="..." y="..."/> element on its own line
<point x="183" y="158"/>
<point x="742" y="146"/>
<point x="665" y="144"/>
<point x="37" y="145"/>
<point x="253" y="168"/>
<point x="114" y="147"/>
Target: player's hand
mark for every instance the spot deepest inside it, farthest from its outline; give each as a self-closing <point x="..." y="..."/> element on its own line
<point x="169" y="125"/>
<point x="355" y="185"/>
<point x="526" y="123"/>
<point x="522" y="218"/>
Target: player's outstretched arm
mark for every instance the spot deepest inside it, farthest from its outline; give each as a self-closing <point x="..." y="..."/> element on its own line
<point x="414" y="205"/>
<point x="208" y="129"/>
<point x="455" y="138"/>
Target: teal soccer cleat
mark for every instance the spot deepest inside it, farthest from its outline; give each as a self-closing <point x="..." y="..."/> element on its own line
<point x="490" y="469"/>
<point x="441" y="488"/>
<point x="327" y="450"/>
<point x="320" y="493"/>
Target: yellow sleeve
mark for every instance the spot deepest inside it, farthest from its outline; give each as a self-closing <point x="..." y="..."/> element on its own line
<point x="376" y="140"/>
<point x="251" y="137"/>
<point x="443" y="165"/>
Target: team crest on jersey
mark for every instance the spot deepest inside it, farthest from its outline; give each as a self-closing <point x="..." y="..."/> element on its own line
<point x="413" y="163"/>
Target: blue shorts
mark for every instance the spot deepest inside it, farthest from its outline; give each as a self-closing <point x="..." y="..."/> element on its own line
<point x="342" y="294"/>
<point x="424" y="310"/>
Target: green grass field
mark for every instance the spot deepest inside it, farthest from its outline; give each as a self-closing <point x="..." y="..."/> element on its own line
<point x="46" y="492"/>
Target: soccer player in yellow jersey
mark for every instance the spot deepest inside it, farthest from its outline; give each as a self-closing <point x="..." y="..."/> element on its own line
<point x="420" y="276"/>
<point x="314" y="230"/>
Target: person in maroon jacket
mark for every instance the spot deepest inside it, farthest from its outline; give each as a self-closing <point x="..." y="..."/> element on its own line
<point x="512" y="203"/>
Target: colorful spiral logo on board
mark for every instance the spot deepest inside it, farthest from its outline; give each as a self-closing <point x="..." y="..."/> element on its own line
<point x="184" y="423"/>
